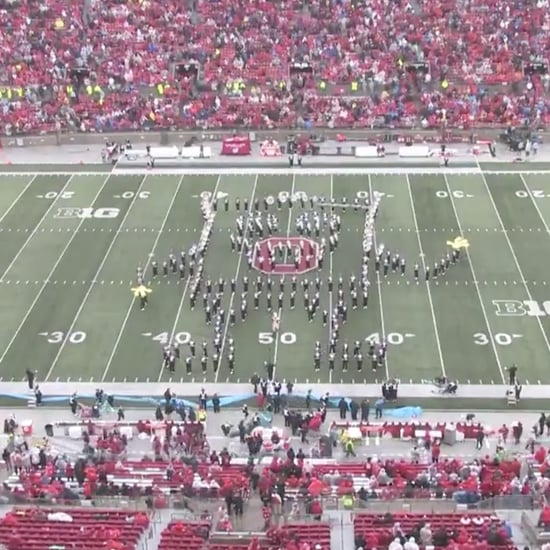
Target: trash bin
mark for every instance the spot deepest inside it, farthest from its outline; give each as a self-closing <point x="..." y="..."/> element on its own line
<point x="49" y="430"/>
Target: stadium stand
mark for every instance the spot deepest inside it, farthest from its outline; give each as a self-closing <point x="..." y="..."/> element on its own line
<point x="387" y="479"/>
<point x="203" y="494"/>
<point x="102" y="66"/>
<point x="93" y="529"/>
<point x="439" y="530"/>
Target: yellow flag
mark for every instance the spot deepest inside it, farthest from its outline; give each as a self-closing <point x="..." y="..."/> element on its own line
<point x="141" y="291"/>
<point x="458" y="243"/>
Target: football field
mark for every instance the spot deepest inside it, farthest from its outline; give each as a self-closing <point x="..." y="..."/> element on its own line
<point x="70" y="245"/>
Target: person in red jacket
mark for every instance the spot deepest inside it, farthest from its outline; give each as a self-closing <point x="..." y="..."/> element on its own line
<point x="436" y="451"/>
<point x="316" y="510"/>
<point x="544" y="520"/>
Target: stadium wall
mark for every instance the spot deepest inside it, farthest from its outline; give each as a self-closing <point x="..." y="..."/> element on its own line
<point x="167" y="138"/>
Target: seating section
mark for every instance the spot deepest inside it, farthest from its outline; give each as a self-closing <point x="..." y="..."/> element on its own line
<point x="391" y="479"/>
<point x="192" y="535"/>
<point x="78" y="529"/>
<point x="184" y="536"/>
<point x="485" y="531"/>
<point x="205" y="480"/>
<point x="387" y="479"/>
<point x="151" y="477"/>
<point x="312" y="533"/>
<point x="343" y="64"/>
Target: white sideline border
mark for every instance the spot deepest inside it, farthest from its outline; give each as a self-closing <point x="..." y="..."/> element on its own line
<point x="323" y="170"/>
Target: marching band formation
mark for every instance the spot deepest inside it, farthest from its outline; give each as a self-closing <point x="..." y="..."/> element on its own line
<point x="318" y="219"/>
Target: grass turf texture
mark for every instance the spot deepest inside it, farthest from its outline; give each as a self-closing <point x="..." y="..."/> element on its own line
<point x="67" y="310"/>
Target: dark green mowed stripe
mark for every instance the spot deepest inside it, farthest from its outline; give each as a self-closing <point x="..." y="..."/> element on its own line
<point x="58" y="303"/>
<point x="139" y="356"/>
<point x="23" y="218"/>
<point x="527" y="236"/>
<point x="457" y="307"/>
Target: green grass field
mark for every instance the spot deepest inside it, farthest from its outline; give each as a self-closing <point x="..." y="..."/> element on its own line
<point x="66" y="273"/>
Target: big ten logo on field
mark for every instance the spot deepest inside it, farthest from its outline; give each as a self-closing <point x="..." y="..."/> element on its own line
<point x="87" y="213"/>
<point x="521" y="308"/>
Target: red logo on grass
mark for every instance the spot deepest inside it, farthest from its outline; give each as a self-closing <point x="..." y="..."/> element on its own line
<point x="281" y="256"/>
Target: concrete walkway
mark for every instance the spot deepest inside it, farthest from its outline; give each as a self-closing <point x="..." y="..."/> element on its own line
<point x="151" y="389"/>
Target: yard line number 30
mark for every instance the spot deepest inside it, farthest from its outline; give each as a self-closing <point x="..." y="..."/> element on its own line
<point x="59" y="337"/>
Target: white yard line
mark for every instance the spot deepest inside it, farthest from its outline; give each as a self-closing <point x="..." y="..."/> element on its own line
<point x="379" y="285"/>
<point x="10" y="207"/>
<point x="149" y="258"/>
<point x="520" y="271"/>
<point x="423" y="260"/>
<point x="280" y="312"/>
<point x="237" y="271"/>
<point x="37" y="227"/>
<point x="476" y="284"/>
<point x="535" y="204"/>
<point x="185" y="289"/>
<point x="330" y="267"/>
<point x="94" y="280"/>
<point x="52" y="271"/>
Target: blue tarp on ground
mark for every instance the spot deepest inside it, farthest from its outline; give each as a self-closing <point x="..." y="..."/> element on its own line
<point x="226" y="401"/>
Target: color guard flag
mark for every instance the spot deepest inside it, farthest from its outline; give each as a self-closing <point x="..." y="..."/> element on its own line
<point x="458" y="243"/>
<point x="141" y="291"/>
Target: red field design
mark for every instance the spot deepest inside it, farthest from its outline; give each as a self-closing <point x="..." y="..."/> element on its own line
<point x="286" y="264"/>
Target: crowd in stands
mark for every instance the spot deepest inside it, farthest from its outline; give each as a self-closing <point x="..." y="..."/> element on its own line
<point x="289" y="483"/>
<point x="99" y="66"/>
<point x="284" y="477"/>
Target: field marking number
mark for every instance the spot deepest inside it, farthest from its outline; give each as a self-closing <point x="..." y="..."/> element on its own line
<point x="58" y="336"/>
<point x="500" y="338"/>
<point x="284" y="338"/>
<point x="140" y="195"/>
<point x="54" y="195"/>
<point x="456" y="194"/>
<point x="393" y="338"/>
<point x="535" y="193"/>
<point x="180" y="338"/>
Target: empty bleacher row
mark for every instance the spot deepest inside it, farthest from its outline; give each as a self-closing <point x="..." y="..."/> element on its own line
<point x="96" y="529"/>
<point x="75" y="528"/>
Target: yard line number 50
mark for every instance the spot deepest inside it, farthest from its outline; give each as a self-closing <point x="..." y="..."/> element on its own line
<point x="270" y="338"/>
